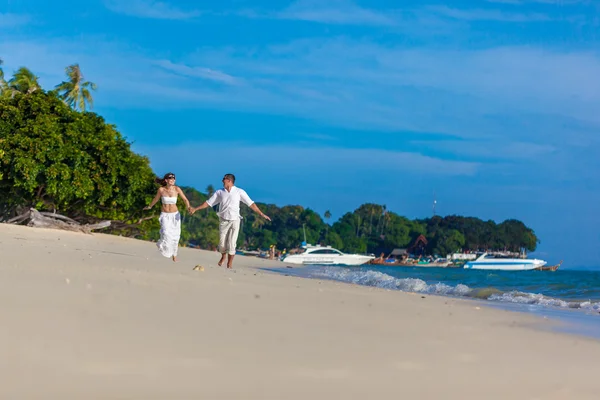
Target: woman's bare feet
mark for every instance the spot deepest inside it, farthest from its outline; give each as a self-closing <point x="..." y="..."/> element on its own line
<point x="174" y="259"/>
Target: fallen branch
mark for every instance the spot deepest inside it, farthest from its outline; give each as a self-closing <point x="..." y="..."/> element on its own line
<point x="58" y="216"/>
<point x="56" y="221"/>
<point x="18" y="218"/>
<point x="41" y="221"/>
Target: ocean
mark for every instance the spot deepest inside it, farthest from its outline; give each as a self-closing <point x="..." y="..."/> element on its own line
<point x="569" y="295"/>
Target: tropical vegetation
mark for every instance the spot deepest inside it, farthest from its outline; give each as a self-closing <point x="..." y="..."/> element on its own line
<point x="54" y="157"/>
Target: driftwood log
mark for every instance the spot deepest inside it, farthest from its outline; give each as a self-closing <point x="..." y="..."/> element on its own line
<point x="55" y="221"/>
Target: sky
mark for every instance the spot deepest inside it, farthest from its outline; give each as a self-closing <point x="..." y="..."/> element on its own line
<point x="491" y="107"/>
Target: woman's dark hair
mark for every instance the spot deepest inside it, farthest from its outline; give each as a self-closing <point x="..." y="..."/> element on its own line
<point x="163" y="181"/>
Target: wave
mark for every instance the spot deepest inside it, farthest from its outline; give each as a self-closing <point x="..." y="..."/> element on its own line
<point x="385" y="281"/>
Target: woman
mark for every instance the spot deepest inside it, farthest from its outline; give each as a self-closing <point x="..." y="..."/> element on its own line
<point x="170" y="219"/>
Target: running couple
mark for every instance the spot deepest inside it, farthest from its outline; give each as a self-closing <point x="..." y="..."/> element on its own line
<point x="228" y="198"/>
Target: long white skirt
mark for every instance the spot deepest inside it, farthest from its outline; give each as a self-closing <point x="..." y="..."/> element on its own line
<point x="170" y="231"/>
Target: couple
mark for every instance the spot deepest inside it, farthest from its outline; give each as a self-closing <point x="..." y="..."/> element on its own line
<point x="229" y="215"/>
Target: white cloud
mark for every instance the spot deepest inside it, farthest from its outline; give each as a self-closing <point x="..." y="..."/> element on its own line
<point x="426" y="20"/>
<point x="488" y="15"/>
<point x="149" y="9"/>
<point x="198" y="72"/>
<point x="552" y="2"/>
<point x="517" y="105"/>
<point x="352" y="84"/>
<point x="505" y="1"/>
<point x="491" y="150"/>
<point x="334" y="12"/>
<point x="360" y="83"/>
<point x="295" y="162"/>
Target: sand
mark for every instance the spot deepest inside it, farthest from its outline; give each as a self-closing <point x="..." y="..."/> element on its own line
<point x="104" y="317"/>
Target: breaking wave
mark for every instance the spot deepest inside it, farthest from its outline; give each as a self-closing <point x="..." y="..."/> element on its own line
<point x="416" y="285"/>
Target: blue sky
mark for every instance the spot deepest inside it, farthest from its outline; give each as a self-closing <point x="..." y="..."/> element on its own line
<point x="493" y="105"/>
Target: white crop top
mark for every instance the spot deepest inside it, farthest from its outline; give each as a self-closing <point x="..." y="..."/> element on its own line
<point x="169" y="200"/>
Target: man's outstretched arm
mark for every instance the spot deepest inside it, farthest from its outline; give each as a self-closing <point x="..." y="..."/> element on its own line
<point x="255" y="208"/>
<point x="214" y="199"/>
<point x="200" y="207"/>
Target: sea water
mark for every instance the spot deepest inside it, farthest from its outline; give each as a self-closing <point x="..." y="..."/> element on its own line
<point x="569" y="295"/>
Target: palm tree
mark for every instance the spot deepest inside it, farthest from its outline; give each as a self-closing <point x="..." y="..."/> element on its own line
<point x="24" y="81"/>
<point x="258" y="223"/>
<point x="75" y="92"/>
<point x="210" y="190"/>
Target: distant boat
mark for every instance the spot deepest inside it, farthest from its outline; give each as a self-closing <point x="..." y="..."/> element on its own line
<point x="325" y="255"/>
<point x="504" y="264"/>
<point x="550" y="267"/>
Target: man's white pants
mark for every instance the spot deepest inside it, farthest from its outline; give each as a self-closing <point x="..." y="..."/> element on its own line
<point x="228" y="235"/>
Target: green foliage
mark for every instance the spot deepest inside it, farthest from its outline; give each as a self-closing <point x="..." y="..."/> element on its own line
<point x="55" y="158"/>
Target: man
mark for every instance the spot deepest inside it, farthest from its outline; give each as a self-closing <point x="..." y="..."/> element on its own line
<point x="229" y="215"/>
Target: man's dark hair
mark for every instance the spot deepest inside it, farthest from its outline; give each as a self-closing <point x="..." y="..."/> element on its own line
<point x="231" y="177"/>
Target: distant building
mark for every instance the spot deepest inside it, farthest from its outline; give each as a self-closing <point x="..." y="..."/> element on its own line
<point x="398" y="252"/>
<point x="418" y="247"/>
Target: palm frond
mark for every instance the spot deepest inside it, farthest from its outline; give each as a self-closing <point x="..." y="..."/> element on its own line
<point x="24" y="81"/>
<point x="75" y="92"/>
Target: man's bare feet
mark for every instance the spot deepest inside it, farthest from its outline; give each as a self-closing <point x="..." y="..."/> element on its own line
<point x="175" y="259"/>
<point x="230" y="260"/>
<point x="222" y="260"/>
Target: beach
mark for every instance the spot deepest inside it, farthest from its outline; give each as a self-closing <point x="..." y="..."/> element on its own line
<point x="105" y="317"/>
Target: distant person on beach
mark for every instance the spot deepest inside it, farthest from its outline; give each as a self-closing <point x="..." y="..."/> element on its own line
<point x="170" y="219"/>
<point x="229" y="215"/>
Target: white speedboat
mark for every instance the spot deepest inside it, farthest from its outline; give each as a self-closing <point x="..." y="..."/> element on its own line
<point x="505" y="264"/>
<point x="326" y="255"/>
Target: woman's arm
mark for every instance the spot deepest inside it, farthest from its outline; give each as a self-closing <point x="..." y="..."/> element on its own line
<point x="156" y="198"/>
<point x="185" y="200"/>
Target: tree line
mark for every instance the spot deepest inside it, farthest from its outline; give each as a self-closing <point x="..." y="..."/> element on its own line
<point x="371" y="228"/>
<point x="56" y="155"/>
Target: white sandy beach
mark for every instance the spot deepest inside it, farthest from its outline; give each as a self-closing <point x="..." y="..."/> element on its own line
<point x="104" y="317"/>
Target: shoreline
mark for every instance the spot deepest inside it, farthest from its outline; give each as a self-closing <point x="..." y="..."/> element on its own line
<point x="104" y="317"/>
<point x="578" y="321"/>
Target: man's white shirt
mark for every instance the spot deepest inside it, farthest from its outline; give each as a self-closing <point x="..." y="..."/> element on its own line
<point x="229" y="208"/>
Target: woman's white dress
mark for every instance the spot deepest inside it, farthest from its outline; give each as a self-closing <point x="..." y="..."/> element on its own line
<point x="170" y="230"/>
